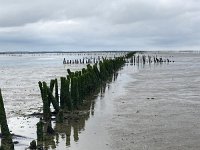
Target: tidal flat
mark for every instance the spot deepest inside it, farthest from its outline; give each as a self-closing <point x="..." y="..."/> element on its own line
<point x="148" y="106"/>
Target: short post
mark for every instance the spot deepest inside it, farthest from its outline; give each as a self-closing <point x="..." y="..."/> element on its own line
<point x="40" y="126"/>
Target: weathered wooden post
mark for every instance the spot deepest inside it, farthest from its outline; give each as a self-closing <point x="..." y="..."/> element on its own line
<point x="62" y="93"/>
<point x="46" y="107"/>
<point x="68" y="96"/>
<point x="138" y="59"/>
<point x="56" y="91"/>
<point x="65" y="98"/>
<point x="131" y="60"/>
<point x="40" y="126"/>
<point x="52" y="82"/>
<point x="3" y="121"/>
<point x="149" y="59"/>
<point x="69" y="72"/>
<point x="8" y="144"/>
<point x="144" y="59"/>
<point x="47" y="97"/>
<point x="33" y="145"/>
<point x="52" y="99"/>
<point x="60" y="116"/>
<point x="74" y="92"/>
<point x="80" y="89"/>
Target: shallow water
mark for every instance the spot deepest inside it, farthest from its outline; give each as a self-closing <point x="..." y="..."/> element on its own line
<point x="149" y="107"/>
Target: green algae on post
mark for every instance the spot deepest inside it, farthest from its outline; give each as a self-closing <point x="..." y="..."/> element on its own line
<point x="63" y="92"/>
<point x="46" y="107"/>
<point x="52" y="100"/>
<point x="60" y="116"/>
<point x="40" y="126"/>
<point x="80" y="84"/>
<point x="33" y="145"/>
<point x="56" y="90"/>
<point x="74" y="92"/>
<point x="7" y="144"/>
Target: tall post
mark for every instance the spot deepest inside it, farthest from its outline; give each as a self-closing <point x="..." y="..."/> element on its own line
<point x="4" y="126"/>
<point x="63" y="97"/>
<point x="56" y="90"/>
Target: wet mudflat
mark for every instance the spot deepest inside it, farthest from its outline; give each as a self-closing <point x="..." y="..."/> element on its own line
<point x="160" y="109"/>
<point x="148" y="107"/>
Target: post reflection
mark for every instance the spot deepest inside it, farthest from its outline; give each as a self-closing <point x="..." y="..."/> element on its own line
<point x="70" y="129"/>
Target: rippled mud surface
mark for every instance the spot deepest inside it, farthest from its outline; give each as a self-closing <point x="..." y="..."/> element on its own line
<point x="161" y="107"/>
<point x="148" y="107"/>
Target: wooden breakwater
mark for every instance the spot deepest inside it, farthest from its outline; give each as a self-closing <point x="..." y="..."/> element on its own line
<point x="6" y="137"/>
<point x="89" y="59"/>
<point x="82" y="61"/>
<point x="149" y="59"/>
<point x="73" y="90"/>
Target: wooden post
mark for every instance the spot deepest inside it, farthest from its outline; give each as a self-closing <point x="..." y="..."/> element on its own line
<point x="56" y="91"/>
<point x="46" y="107"/>
<point x="63" y="93"/>
<point x="40" y="126"/>
<point x="33" y="145"/>
<point x="60" y="116"/>
<point x="74" y="92"/>
<point x="8" y="144"/>
<point x="3" y="121"/>
<point x="138" y="59"/>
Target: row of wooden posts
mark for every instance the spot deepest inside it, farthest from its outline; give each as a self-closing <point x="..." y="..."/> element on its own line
<point x="148" y="59"/>
<point x="81" y="61"/>
<point x="74" y="88"/>
<point x="84" y="60"/>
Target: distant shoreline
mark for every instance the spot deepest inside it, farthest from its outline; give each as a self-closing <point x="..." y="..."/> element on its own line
<point x="66" y="52"/>
<point x="60" y="52"/>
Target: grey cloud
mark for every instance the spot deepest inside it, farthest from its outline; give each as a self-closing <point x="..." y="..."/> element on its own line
<point x="99" y="24"/>
<point x="23" y="12"/>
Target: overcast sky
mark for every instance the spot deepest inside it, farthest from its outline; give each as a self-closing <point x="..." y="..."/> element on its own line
<point x="99" y="25"/>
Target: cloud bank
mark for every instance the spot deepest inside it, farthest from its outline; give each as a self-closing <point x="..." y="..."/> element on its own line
<point x="99" y="25"/>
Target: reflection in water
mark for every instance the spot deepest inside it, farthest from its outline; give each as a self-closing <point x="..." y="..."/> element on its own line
<point x="73" y="126"/>
<point x="6" y="144"/>
<point x="92" y="107"/>
<point x="67" y="131"/>
<point x="68" y="134"/>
